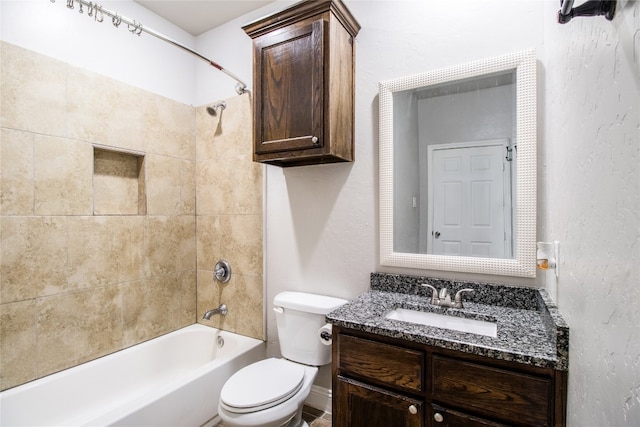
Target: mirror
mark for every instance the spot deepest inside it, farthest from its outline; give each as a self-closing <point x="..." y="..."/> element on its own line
<point x="458" y="168"/>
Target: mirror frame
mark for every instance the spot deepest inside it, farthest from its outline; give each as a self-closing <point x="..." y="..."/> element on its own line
<point x="524" y="263"/>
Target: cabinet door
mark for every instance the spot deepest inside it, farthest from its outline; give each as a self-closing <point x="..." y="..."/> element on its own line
<point x="289" y="88"/>
<point x="361" y="405"/>
<point x="438" y="416"/>
<point x="519" y="399"/>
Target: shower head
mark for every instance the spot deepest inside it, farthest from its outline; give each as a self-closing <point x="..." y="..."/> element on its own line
<point x="213" y="109"/>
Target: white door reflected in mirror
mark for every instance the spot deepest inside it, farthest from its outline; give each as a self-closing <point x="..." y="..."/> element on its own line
<point x="469" y="200"/>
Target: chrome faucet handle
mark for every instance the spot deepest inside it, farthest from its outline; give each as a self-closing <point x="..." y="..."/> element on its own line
<point x="458" y="297"/>
<point x="434" y="293"/>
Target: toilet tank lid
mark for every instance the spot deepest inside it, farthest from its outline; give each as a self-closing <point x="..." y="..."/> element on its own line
<point x="309" y="303"/>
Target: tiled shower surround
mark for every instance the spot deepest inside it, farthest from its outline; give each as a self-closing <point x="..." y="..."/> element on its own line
<point x="116" y="203"/>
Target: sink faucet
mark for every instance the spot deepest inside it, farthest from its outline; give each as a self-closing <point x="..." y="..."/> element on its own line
<point x="220" y="310"/>
<point x="443" y="298"/>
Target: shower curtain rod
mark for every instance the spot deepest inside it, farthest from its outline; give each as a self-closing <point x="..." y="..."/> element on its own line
<point x="97" y="12"/>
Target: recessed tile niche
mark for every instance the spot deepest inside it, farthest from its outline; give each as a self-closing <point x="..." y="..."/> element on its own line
<point x="118" y="182"/>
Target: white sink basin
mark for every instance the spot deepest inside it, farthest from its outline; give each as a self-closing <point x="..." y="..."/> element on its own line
<point x="461" y="324"/>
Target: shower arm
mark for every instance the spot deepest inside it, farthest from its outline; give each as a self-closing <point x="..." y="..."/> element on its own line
<point x="97" y="12"/>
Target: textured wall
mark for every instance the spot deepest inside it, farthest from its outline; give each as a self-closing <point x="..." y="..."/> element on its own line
<point x="591" y="204"/>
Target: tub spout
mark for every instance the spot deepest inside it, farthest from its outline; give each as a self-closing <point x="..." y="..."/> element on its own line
<point x="220" y="310"/>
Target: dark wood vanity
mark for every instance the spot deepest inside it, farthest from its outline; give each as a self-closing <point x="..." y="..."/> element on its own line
<point x="412" y="371"/>
<point x="303" y="73"/>
<point x="381" y="381"/>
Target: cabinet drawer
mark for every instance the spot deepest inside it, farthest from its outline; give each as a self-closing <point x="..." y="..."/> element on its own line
<point x="509" y="396"/>
<point x="382" y="364"/>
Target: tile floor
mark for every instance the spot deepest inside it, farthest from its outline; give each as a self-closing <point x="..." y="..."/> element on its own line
<point x="313" y="416"/>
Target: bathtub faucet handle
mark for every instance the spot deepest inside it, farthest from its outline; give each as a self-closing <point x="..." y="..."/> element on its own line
<point x="222" y="271"/>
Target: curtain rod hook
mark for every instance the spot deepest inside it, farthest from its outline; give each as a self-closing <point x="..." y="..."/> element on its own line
<point x="116" y="20"/>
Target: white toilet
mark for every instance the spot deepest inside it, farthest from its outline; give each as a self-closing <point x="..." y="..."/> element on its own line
<point x="271" y="393"/>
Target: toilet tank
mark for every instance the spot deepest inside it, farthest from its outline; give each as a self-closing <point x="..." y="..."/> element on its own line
<point x="299" y="316"/>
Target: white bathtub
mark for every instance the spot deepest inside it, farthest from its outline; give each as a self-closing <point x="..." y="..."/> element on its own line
<point x="173" y="380"/>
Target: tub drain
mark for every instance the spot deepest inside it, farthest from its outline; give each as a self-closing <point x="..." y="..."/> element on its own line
<point x="220" y="341"/>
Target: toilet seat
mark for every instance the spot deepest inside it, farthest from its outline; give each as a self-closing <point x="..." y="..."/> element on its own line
<point x="262" y="385"/>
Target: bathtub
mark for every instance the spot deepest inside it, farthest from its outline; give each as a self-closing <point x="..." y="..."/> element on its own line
<point x="173" y="380"/>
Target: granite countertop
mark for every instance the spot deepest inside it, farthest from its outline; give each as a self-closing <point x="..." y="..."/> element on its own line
<point x="530" y="329"/>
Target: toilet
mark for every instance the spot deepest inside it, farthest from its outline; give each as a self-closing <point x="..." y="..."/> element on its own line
<point x="271" y="392"/>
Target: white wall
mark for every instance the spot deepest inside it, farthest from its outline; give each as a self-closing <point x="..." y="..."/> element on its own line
<point x="321" y="232"/>
<point x="230" y="47"/>
<point x="591" y="197"/>
<point x="64" y="34"/>
<point x="406" y="176"/>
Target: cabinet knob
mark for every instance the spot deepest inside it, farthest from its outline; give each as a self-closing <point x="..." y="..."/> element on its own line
<point x="413" y="410"/>
<point x="314" y="140"/>
<point x="438" y="417"/>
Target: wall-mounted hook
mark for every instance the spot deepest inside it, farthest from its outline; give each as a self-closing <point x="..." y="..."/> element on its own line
<point x="222" y="271"/>
<point x="589" y="8"/>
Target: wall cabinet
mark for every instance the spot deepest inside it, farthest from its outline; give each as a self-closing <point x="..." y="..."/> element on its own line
<point x="379" y="381"/>
<point x="303" y="94"/>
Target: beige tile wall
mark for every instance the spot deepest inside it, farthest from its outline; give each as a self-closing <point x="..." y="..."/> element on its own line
<point x="76" y="284"/>
<point x="229" y="218"/>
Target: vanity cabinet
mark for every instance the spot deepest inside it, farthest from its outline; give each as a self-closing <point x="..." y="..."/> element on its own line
<point x="303" y="74"/>
<point x="381" y="381"/>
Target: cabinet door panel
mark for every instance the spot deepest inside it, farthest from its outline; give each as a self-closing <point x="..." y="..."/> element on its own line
<point x="497" y="393"/>
<point x="362" y="405"/>
<point x="289" y="111"/>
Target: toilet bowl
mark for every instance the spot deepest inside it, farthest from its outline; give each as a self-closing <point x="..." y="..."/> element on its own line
<point x="273" y="396"/>
<point x="271" y="392"/>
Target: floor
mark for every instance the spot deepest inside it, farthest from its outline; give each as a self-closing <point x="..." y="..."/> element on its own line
<point x="315" y="417"/>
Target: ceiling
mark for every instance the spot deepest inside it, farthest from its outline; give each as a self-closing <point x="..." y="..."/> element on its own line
<point x="197" y="17"/>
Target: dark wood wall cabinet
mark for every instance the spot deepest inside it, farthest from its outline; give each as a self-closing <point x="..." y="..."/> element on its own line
<point x="303" y="84"/>
<point x="383" y="382"/>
